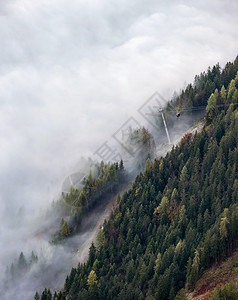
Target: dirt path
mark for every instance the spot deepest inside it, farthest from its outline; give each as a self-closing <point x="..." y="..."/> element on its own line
<point x="83" y="250"/>
<point x="195" y="128"/>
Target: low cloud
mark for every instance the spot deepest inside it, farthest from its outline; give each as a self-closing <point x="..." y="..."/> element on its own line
<point x="71" y="72"/>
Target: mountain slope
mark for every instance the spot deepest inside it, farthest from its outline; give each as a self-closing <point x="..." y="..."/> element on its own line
<point x="179" y="217"/>
<point x="217" y="275"/>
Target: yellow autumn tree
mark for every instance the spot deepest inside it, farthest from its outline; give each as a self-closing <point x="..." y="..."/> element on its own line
<point x="92" y="279"/>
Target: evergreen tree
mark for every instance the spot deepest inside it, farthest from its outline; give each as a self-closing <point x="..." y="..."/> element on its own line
<point x="37" y="297"/>
<point x="65" y="230"/>
<point x="22" y="263"/>
<point x="223" y="94"/>
<point x="100" y="238"/>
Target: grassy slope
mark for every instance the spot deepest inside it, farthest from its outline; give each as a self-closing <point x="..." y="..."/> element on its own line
<point x="218" y="274"/>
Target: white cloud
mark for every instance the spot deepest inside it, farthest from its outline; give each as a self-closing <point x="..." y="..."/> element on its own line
<point x="72" y="71"/>
<point x="68" y="69"/>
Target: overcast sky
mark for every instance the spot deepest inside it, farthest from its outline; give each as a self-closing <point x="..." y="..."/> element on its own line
<point x="72" y="71"/>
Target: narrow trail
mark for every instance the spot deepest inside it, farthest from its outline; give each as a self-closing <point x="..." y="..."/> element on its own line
<point x="195" y="128"/>
<point x="83" y="250"/>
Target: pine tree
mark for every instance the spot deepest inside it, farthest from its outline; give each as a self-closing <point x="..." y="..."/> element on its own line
<point x="34" y="258"/>
<point x="148" y="165"/>
<point x="92" y="285"/>
<point x="210" y="109"/>
<point x="231" y="89"/>
<point x="121" y="166"/>
<point x="194" y="273"/>
<point x="223" y="94"/>
<point x="65" y="230"/>
<point x="37" y="297"/>
<point x="130" y="271"/>
<point x="46" y="295"/>
<point x="100" y="238"/>
<point x="22" y="263"/>
<point x="236" y="80"/>
<point x="92" y="255"/>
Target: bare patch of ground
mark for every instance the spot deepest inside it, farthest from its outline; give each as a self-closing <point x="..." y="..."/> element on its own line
<point x="216" y="275"/>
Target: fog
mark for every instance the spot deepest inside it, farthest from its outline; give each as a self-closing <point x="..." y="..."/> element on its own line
<point x="72" y="73"/>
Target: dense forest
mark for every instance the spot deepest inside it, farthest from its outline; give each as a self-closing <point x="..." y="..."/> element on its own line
<point x="180" y="215"/>
<point x="76" y="204"/>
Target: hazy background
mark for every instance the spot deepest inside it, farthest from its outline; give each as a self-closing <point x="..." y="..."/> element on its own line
<point x="71" y="72"/>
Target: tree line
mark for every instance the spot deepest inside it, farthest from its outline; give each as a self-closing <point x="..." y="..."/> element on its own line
<point x="180" y="215"/>
<point x="75" y="205"/>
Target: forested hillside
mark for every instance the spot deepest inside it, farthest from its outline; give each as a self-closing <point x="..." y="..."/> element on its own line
<point x="76" y="204"/>
<point x="179" y="217"/>
<point x="102" y="183"/>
